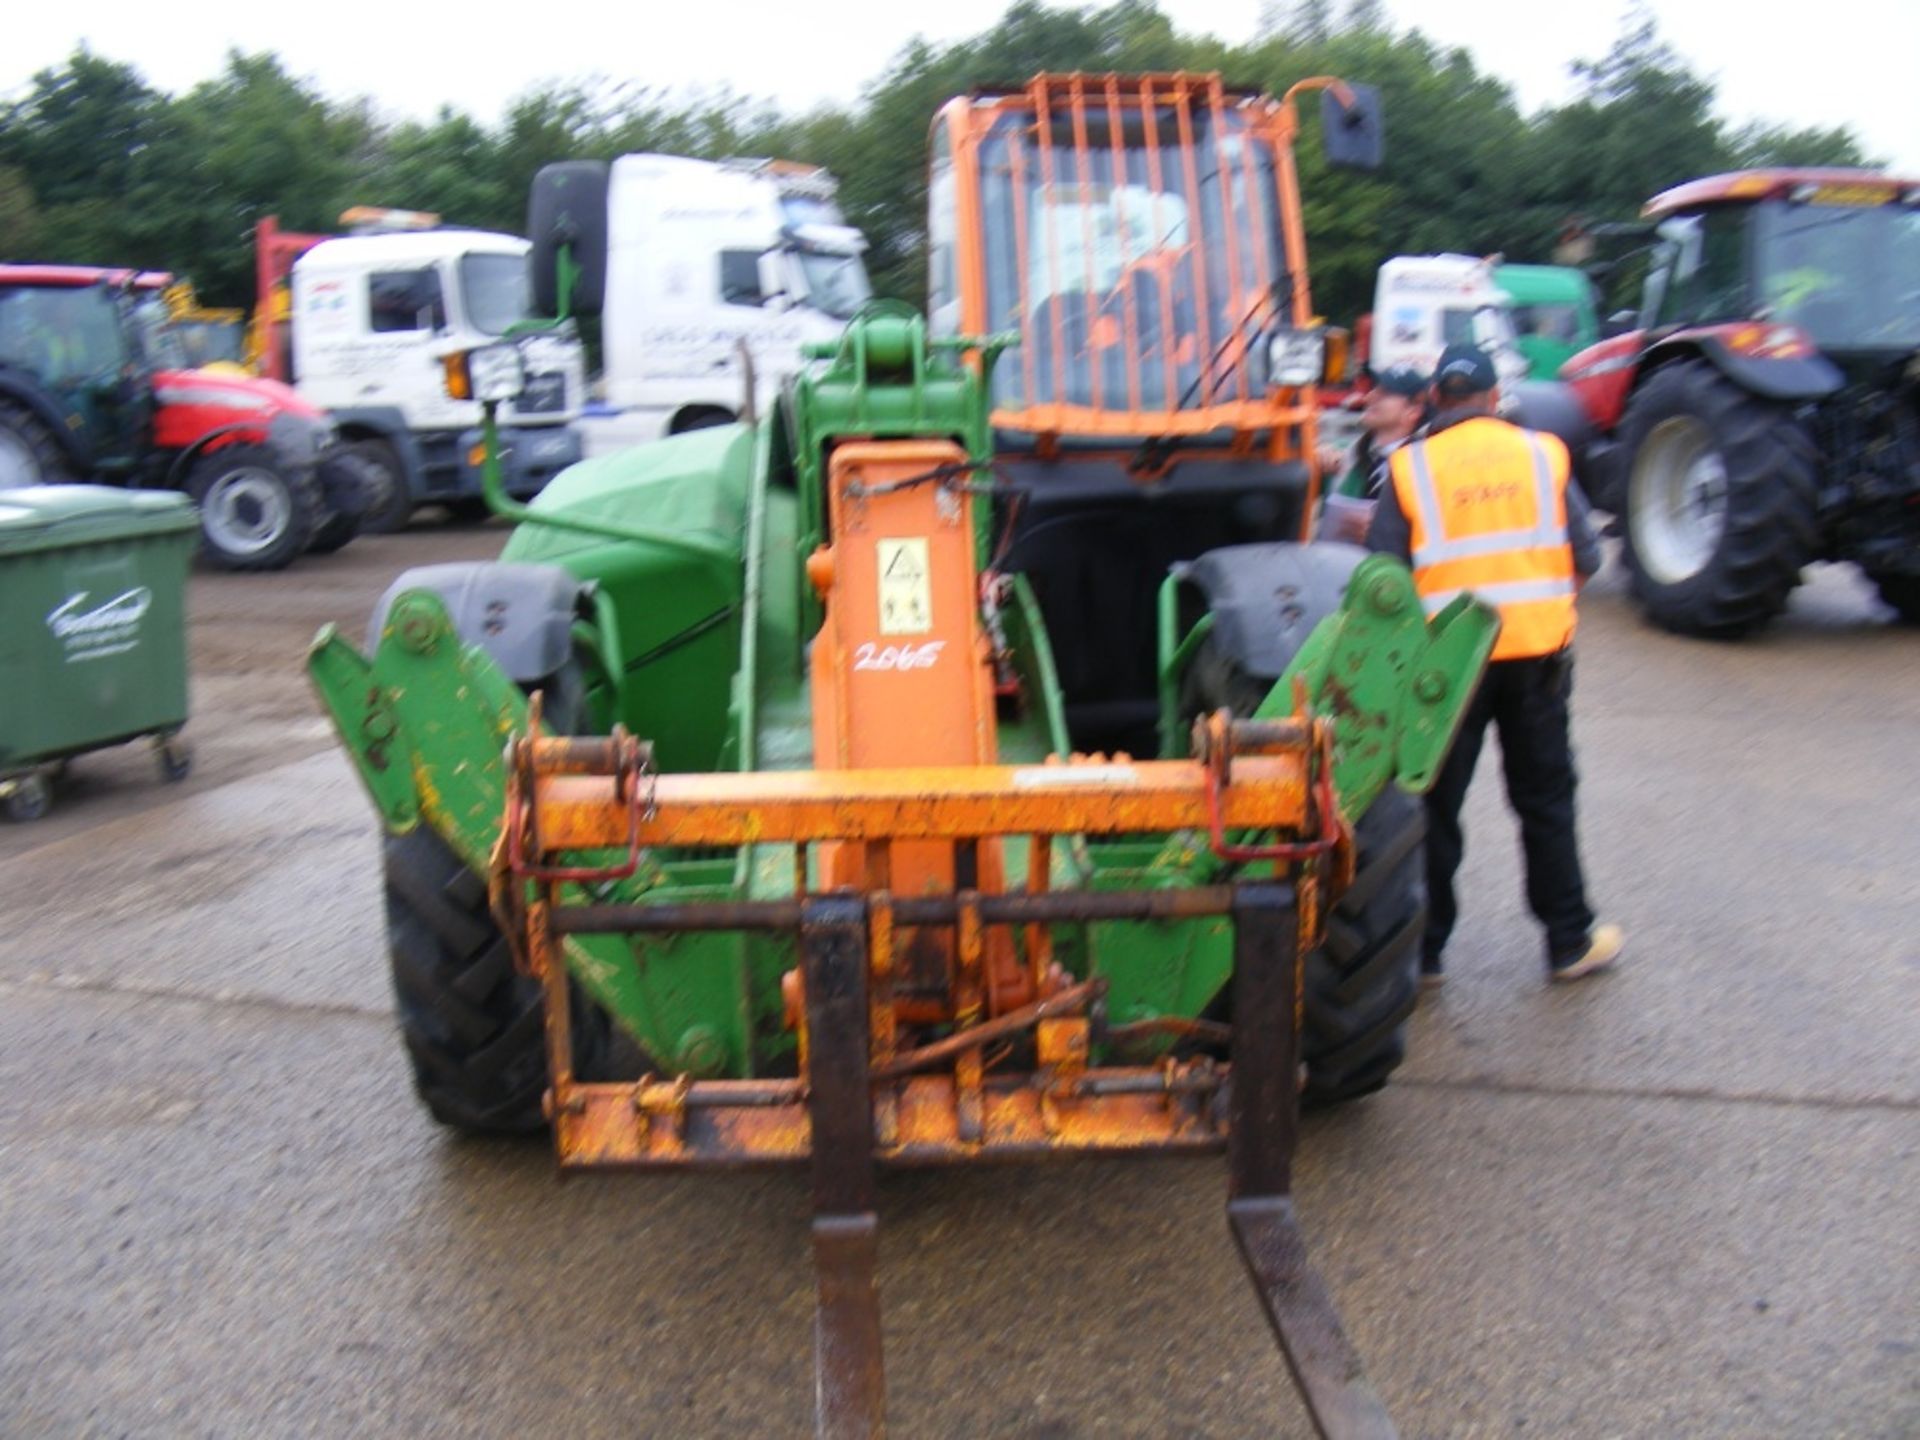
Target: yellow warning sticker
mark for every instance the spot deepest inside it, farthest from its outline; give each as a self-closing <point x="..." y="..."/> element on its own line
<point x="906" y="589"/>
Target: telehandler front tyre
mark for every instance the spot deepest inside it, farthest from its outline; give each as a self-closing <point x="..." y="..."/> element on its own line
<point x="472" y="1024"/>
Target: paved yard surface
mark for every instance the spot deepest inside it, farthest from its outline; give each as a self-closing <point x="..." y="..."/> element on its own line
<point x="1679" y="1200"/>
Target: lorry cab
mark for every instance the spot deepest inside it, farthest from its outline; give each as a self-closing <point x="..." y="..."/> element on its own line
<point x="707" y="260"/>
<point x="1554" y="313"/>
<point x="371" y="315"/>
<point x="1424" y="303"/>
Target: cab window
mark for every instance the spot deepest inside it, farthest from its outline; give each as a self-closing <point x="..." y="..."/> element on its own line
<point x="63" y="334"/>
<point x="1706" y="278"/>
<point x="740" y="277"/>
<point x="403" y="300"/>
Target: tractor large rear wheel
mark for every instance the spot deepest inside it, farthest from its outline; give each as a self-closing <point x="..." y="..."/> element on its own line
<point x="1363" y="982"/>
<point x="29" y="455"/>
<point x="1720" y="502"/>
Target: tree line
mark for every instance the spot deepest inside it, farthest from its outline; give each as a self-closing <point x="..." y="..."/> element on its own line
<point x="97" y="166"/>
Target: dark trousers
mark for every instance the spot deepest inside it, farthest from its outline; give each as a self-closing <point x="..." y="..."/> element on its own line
<point x="1527" y="699"/>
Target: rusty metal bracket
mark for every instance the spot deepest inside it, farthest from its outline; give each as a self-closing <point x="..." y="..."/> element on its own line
<point x="627" y="760"/>
<point x="1218" y="737"/>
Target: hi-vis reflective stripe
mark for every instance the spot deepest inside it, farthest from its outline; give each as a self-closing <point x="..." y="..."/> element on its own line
<point x="1438" y="550"/>
<point x="1510" y="592"/>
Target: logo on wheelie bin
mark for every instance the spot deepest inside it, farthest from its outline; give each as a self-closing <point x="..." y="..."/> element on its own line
<point x="110" y="628"/>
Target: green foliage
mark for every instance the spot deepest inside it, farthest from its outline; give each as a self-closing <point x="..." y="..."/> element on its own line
<point x="96" y="166"/>
<point x="19" y="215"/>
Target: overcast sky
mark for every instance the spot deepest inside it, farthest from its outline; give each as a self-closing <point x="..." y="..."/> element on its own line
<point x="1850" y="62"/>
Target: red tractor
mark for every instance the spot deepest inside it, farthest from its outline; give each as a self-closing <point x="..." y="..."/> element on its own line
<point x="93" y="386"/>
<point x="1762" y="409"/>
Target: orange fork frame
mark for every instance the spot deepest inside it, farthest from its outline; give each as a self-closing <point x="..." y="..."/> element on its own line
<point x="861" y="1099"/>
<point x="899" y="837"/>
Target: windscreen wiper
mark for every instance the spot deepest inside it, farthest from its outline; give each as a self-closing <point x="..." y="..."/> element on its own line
<point x="1156" y="450"/>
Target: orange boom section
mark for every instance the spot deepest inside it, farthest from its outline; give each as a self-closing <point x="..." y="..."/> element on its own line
<point x="901" y="676"/>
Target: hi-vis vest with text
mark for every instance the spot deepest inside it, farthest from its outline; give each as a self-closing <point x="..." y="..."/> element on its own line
<point x="1486" y="503"/>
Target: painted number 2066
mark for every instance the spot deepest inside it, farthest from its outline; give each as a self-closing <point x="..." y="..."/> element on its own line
<point x="897" y="657"/>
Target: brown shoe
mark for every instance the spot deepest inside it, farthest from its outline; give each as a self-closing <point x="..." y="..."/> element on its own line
<point x="1603" y="948"/>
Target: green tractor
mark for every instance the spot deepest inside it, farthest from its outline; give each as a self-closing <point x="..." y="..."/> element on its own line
<point x="964" y="760"/>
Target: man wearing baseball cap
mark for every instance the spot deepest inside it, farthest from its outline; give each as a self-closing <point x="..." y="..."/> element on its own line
<point x="1395" y="407"/>
<point x="1479" y="505"/>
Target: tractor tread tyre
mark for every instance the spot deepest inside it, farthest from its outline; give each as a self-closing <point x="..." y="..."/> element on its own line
<point x="332" y="533"/>
<point x="39" y="441"/>
<point x="337" y="527"/>
<point x="1364" y="980"/>
<point x="472" y="1025"/>
<point x="390" y="502"/>
<point x="1772" y="480"/>
<point x="305" y="507"/>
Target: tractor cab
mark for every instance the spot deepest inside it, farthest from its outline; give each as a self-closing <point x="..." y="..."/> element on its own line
<point x="1834" y="254"/>
<point x="1140" y="236"/>
<point x="1138" y="241"/>
<point x="1762" y="409"/>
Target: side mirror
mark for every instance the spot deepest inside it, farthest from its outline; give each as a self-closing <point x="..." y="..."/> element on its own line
<point x="1352" y="136"/>
<point x="773" y="281"/>
<point x="1621" y="322"/>
<point x="567" y="223"/>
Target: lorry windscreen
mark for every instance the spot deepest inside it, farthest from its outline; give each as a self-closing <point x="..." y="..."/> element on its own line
<point x="493" y="290"/>
<point x="836" y="284"/>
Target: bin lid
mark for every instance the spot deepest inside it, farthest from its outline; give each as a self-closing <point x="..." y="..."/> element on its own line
<point x="41" y="517"/>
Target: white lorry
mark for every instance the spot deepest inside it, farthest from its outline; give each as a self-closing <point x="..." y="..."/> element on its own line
<point x="706" y="259"/>
<point x="369" y="316"/>
<point x="1424" y="303"/>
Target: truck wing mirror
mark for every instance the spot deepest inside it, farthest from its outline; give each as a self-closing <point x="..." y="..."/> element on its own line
<point x="567" y="223"/>
<point x="1352" y="135"/>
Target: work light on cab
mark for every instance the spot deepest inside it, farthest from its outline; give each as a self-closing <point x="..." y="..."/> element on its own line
<point x="1296" y="357"/>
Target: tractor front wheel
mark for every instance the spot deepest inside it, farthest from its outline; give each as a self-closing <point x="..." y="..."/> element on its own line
<point x="1720" y="502"/>
<point x="255" y="513"/>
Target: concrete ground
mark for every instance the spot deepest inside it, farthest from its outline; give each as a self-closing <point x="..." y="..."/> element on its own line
<point x="1678" y="1200"/>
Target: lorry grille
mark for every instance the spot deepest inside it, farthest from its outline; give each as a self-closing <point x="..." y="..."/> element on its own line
<point x="546" y="394"/>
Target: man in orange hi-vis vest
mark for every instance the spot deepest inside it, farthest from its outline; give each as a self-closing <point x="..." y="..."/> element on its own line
<point x="1477" y="504"/>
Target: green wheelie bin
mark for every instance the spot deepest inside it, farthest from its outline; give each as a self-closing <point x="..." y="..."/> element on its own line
<point x="93" y="636"/>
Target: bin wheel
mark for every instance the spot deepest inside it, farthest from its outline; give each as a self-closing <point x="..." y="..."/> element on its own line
<point x="30" y="798"/>
<point x="176" y="758"/>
